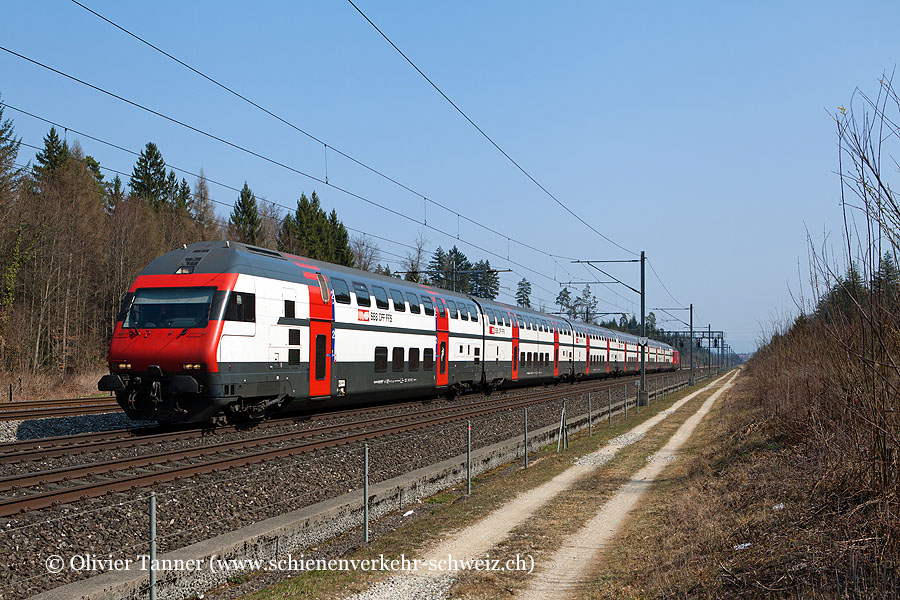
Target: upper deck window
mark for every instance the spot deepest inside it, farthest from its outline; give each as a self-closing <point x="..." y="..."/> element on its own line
<point x="413" y="303"/>
<point x="341" y="291"/>
<point x="362" y="294"/>
<point x="381" y="299"/>
<point x="173" y="308"/>
<point x="399" y="303"/>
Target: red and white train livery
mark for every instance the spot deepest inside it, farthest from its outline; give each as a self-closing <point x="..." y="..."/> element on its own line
<point x="223" y="329"/>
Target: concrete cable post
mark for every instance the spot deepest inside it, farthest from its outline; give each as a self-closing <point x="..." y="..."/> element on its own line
<point x="468" y="457"/>
<point x="590" y="419"/>
<point x="366" y="494"/>
<point x="609" y="407"/>
<point x="152" y="545"/>
<point x="526" y="436"/>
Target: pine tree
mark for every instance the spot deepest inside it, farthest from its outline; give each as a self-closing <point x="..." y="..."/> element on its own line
<point x="93" y="166"/>
<point x="523" y="293"/>
<point x="457" y="266"/>
<point x="54" y="154"/>
<point x="245" y="223"/>
<point x="148" y="178"/>
<point x="312" y="233"/>
<point x="437" y="269"/>
<point x="115" y="193"/>
<point x="9" y="151"/>
<point x="340" y="241"/>
<point x="184" y="197"/>
<point x="485" y="281"/>
<point x="171" y="188"/>
<point x="564" y="302"/>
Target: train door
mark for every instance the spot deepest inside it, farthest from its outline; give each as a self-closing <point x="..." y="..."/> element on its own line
<point x="555" y="350"/>
<point x="441" y="319"/>
<point x="320" y="348"/>
<point x="607" y="355"/>
<point x="587" y="354"/>
<point x="515" y="347"/>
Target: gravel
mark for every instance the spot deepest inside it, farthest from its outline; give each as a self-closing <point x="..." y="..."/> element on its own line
<point x="198" y="508"/>
<point x="402" y="587"/>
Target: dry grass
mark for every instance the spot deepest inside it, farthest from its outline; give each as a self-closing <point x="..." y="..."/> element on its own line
<point x="452" y="510"/>
<point x="41" y="386"/>
<point x="682" y="541"/>
<point x="566" y="514"/>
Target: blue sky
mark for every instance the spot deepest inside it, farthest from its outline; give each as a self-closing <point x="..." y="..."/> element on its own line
<point x="699" y="132"/>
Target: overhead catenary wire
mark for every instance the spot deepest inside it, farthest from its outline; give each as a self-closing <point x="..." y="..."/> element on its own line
<point x="326" y="146"/>
<point x="487" y="137"/>
<point x="272" y="161"/>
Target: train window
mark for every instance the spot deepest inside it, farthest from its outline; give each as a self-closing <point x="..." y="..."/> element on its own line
<point x="442" y="358"/>
<point x="546" y="324"/>
<point x="294" y="356"/>
<point x="473" y="313"/>
<point x="546" y="359"/>
<point x="241" y="307"/>
<point x="381" y="299"/>
<point x="428" y="305"/>
<point x="380" y="359"/>
<point x="321" y="358"/>
<point x="521" y="322"/>
<point x="362" y="294"/>
<point x="293" y="337"/>
<point x="477" y="355"/>
<point x="463" y="312"/>
<point x="413" y="303"/>
<point x="399" y="303"/>
<point x="516" y="360"/>
<point x="397" y="360"/>
<point x="413" y="359"/>
<point x="451" y="308"/>
<point x="489" y="315"/>
<point x="439" y="303"/>
<point x="289" y="309"/>
<point x="341" y="291"/>
<point x="428" y="359"/>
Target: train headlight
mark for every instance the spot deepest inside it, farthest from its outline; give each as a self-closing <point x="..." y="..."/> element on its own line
<point x="120" y="366"/>
<point x="193" y="366"/>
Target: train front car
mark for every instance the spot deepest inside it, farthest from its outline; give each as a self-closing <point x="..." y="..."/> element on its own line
<point x="164" y="357"/>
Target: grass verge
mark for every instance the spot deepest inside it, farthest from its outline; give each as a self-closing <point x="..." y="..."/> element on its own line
<point x="452" y="509"/>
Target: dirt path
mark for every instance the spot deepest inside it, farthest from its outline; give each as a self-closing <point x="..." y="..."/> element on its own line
<point x="571" y="563"/>
<point x="477" y="539"/>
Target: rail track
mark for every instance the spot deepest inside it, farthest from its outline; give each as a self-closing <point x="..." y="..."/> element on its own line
<point x="60" y="407"/>
<point x="118" y="475"/>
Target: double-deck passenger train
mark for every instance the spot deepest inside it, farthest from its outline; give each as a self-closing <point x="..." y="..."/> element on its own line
<point x="223" y="330"/>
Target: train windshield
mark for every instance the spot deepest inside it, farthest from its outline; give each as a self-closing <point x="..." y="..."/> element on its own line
<point x="169" y="308"/>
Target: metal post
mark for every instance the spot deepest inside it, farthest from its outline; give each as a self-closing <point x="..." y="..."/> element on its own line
<point x="565" y="428"/>
<point x="625" y="402"/>
<point x="709" y="351"/>
<point x="609" y="407"/>
<point x="152" y="545"/>
<point x="643" y="398"/>
<point x="468" y="457"/>
<point x="562" y="416"/>
<point x="366" y="494"/>
<point x="526" y="437"/>
<point x="691" y="380"/>
<point x="590" y="419"/>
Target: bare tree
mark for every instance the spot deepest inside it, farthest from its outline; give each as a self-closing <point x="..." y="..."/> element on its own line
<point x="415" y="259"/>
<point x="365" y="252"/>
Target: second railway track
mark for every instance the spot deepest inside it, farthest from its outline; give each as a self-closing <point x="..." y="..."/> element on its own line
<point x="227" y="454"/>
